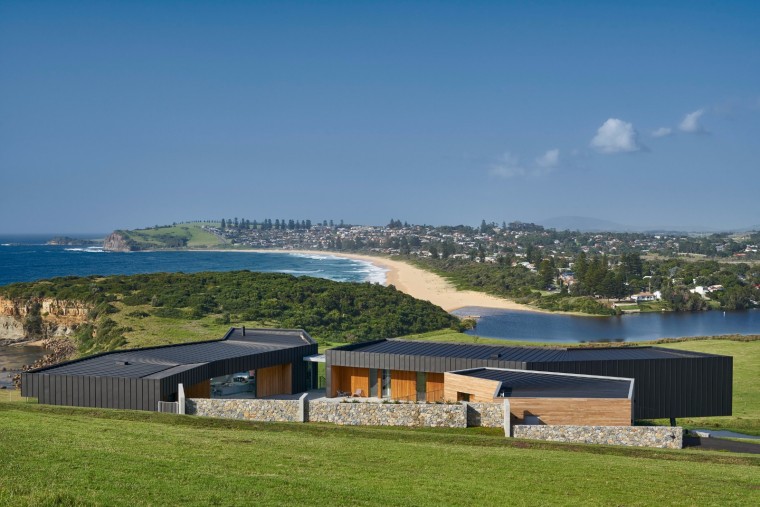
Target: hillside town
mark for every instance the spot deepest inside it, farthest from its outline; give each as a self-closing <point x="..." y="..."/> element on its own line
<point x="512" y="240"/>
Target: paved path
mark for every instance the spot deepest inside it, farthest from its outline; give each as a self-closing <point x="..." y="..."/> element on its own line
<point x="719" y="444"/>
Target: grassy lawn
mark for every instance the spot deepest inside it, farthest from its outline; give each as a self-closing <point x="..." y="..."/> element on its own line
<point x="68" y="456"/>
<point x="152" y="331"/>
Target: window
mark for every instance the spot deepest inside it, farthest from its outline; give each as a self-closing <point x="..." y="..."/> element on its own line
<point x="421" y="389"/>
<point x="386" y="384"/>
<point x="373" y="382"/>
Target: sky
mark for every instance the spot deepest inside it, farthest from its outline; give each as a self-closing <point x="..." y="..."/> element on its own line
<point x="130" y="114"/>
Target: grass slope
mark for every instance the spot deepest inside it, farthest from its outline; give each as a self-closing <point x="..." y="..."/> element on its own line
<point x="67" y="456"/>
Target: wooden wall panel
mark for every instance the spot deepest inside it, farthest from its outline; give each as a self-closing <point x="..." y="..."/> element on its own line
<point x="404" y="385"/>
<point x="349" y="379"/>
<point x="572" y="411"/>
<point x="199" y="390"/>
<point x="434" y="387"/>
<point x="274" y="380"/>
<point x="480" y="390"/>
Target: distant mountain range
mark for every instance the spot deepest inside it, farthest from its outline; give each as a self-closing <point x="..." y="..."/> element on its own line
<point x="588" y="224"/>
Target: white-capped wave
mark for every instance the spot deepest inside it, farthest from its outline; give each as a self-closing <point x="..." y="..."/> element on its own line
<point x="89" y="249"/>
<point x="371" y="272"/>
<point x="301" y="271"/>
<point x="316" y="257"/>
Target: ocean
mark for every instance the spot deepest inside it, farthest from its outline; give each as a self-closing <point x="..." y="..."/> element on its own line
<point x="28" y="258"/>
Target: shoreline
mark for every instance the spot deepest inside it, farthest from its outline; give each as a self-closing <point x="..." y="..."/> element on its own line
<point x="417" y="282"/>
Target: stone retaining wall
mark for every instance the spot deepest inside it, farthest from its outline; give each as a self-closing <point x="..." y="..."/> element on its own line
<point x="389" y="414"/>
<point x="636" y="436"/>
<point x="488" y="415"/>
<point x="249" y="410"/>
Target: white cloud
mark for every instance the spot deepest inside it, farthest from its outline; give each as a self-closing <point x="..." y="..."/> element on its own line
<point x="662" y="132"/>
<point x="548" y="160"/>
<point x="690" y="122"/>
<point x="616" y="136"/>
<point x="507" y="166"/>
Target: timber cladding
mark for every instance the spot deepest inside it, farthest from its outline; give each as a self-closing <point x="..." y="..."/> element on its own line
<point x="274" y="380"/>
<point x="480" y="390"/>
<point x="199" y="390"/>
<point x="404" y="385"/>
<point x="350" y="380"/>
<point x="434" y="387"/>
<point x="573" y="411"/>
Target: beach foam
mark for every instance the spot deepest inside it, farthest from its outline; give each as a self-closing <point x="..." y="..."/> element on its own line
<point x="89" y="249"/>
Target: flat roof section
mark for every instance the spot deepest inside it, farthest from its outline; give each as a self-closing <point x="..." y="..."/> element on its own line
<point x="534" y="384"/>
<point x="521" y="354"/>
<point x="158" y="362"/>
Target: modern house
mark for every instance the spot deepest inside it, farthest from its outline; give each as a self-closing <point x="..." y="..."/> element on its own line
<point x="591" y="386"/>
<point x="271" y="361"/>
<point x="667" y="383"/>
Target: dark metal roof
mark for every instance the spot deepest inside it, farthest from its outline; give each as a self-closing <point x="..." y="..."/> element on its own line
<point x="529" y="384"/>
<point x="520" y="354"/>
<point x="158" y="362"/>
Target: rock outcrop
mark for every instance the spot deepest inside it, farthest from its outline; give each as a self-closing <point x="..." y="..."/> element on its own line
<point x="116" y="242"/>
<point x="58" y="317"/>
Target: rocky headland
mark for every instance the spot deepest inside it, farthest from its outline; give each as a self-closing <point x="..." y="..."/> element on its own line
<point x="117" y="242"/>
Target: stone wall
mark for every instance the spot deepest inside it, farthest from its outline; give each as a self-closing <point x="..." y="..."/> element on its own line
<point x="488" y="415"/>
<point x="249" y="410"/>
<point x="636" y="436"/>
<point x="389" y="414"/>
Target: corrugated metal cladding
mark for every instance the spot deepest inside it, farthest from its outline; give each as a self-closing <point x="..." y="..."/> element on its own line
<point x="669" y="383"/>
<point x="140" y="378"/>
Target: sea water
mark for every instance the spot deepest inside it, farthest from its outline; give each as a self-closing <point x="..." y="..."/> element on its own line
<point x="28" y="258"/>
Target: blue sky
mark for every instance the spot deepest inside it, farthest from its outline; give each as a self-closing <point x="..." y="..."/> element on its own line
<point x="128" y="114"/>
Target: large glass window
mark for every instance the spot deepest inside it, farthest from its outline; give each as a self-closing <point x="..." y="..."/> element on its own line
<point x="386" y="384"/>
<point x="373" y="382"/>
<point x="421" y="389"/>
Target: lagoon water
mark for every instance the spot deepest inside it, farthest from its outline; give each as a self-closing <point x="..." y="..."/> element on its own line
<point x="541" y="327"/>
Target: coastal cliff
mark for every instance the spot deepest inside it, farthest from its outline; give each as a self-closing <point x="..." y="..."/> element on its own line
<point x="116" y="242"/>
<point x="39" y="318"/>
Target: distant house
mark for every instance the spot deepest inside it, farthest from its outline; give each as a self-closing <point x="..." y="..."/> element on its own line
<point x="704" y="291"/>
<point x="646" y="296"/>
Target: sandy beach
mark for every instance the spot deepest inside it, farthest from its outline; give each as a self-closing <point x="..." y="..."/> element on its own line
<point x="419" y="283"/>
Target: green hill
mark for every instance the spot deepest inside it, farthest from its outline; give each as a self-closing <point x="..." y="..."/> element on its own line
<point x="69" y="456"/>
<point x="191" y="235"/>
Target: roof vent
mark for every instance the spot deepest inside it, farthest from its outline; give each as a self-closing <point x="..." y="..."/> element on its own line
<point x="122" y="363"/>
<point x="496" y="356"/>
<point x="243" y="330"/>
